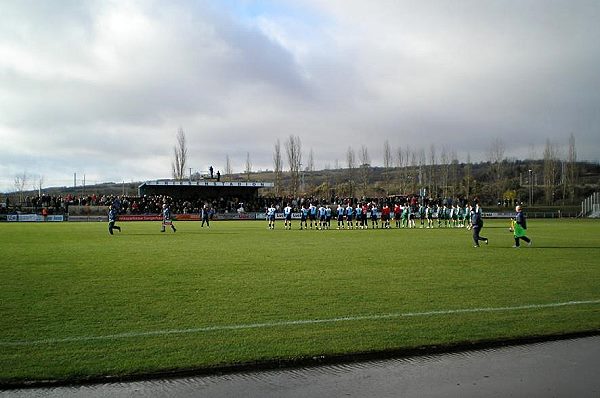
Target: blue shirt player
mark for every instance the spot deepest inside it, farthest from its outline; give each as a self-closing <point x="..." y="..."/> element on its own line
<point x="340" y="216"/>
<point x="166" y="218"/>
<point x="374" y="215"/>
<point x="322" y="217"/>
<point x="328" y="217"/>
<point x="271" y="216"/>
<point x="112" y="219"/>
<point x="303" y="217"/>
<point x="312" y="215"/>
<point x="349" y="215"/>
<point x="287" y="213"/>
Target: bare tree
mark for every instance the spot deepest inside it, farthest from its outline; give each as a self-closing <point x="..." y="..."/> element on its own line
<point x="365" y="166"/>
<point x="408" y="160"/>
<point x="467" y="177"/>
<point x="248" y="169"/>
<point x="293" y="148"/>
<point x="351" y="165"/>
<point x="387" y="163"/>
<point x="550" y="171"/>
<point x="444" y="163"/>
<point x="432" y="169"/>
<point x="496" y="158"/>
<point x="311" y="161"/>
<point x="412" y="170"/>
<point x="399" y="157"/>
<point x="571" y="167"/>
<point x="20" y="184"/>
<point x="277" y="166"/>
<point x="228" y="170"/>
<point x="531" y="152"/>
<point x="496" y="152"/>
<point x="350" y="158"/>
<point x="422" y="170"/>
<point x="365" y="159"/>
<point x="387" y="155"/>
<point x="453" y="172"/>
<point x="180" y="152"/>
<point x="400" y="165"/>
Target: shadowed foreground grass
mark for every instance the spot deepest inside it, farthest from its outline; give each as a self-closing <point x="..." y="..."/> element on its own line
<point x="76" y="302"/>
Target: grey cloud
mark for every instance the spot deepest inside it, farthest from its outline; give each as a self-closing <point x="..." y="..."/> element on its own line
<point x="459" y="73"/>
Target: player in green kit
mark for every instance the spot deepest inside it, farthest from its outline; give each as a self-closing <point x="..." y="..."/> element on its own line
<point x="519" y="228"/>
<point x="422" y="215"/>
<point x="405" y="213"/>
<point x="429" y="215"/>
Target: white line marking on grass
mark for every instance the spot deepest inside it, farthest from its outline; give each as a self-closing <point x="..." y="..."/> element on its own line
<point x="288" y="323"/>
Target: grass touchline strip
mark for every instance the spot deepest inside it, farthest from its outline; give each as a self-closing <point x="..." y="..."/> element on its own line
<point x="289" y="323"/>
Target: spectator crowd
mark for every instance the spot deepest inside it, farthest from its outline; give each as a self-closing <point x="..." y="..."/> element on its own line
<point x="152" y="204"/>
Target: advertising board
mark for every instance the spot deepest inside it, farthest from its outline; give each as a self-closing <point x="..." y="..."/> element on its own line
<point x="88" y="219"/>
<point x="33" y="218"/>
<point x="139" y="217"/>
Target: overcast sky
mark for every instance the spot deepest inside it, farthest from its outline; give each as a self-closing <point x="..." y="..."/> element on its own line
<point x="101" y="87"/>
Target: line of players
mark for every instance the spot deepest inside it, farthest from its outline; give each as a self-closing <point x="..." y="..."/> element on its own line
<point x="349" y="217"/>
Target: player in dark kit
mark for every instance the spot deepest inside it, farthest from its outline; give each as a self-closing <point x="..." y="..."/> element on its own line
<point x="520" y="228"/>
<point x="166" y="215"/>
<point x="477" y="224"/>
<point x="204" y="215"/>
<point x="112" y="219"/>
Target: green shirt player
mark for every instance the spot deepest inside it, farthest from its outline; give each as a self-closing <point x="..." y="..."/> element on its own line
<point x="520" y="228"/>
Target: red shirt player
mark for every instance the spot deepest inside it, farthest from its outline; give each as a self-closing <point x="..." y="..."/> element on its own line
<point x="397" y="214"/>
<point x="385" y="216"/>
<point x="363" y="220"/>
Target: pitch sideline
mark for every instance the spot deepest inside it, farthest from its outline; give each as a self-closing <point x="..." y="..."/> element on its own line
<point x="288" y="323"/>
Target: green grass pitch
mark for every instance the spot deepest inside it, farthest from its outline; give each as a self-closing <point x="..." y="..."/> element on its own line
<point x="76" y="302"/>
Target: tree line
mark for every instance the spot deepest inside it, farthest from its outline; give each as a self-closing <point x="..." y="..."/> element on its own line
<point x="436" y="172"/>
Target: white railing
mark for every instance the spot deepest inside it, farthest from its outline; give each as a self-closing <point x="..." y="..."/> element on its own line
<point x="590" y="207"/>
